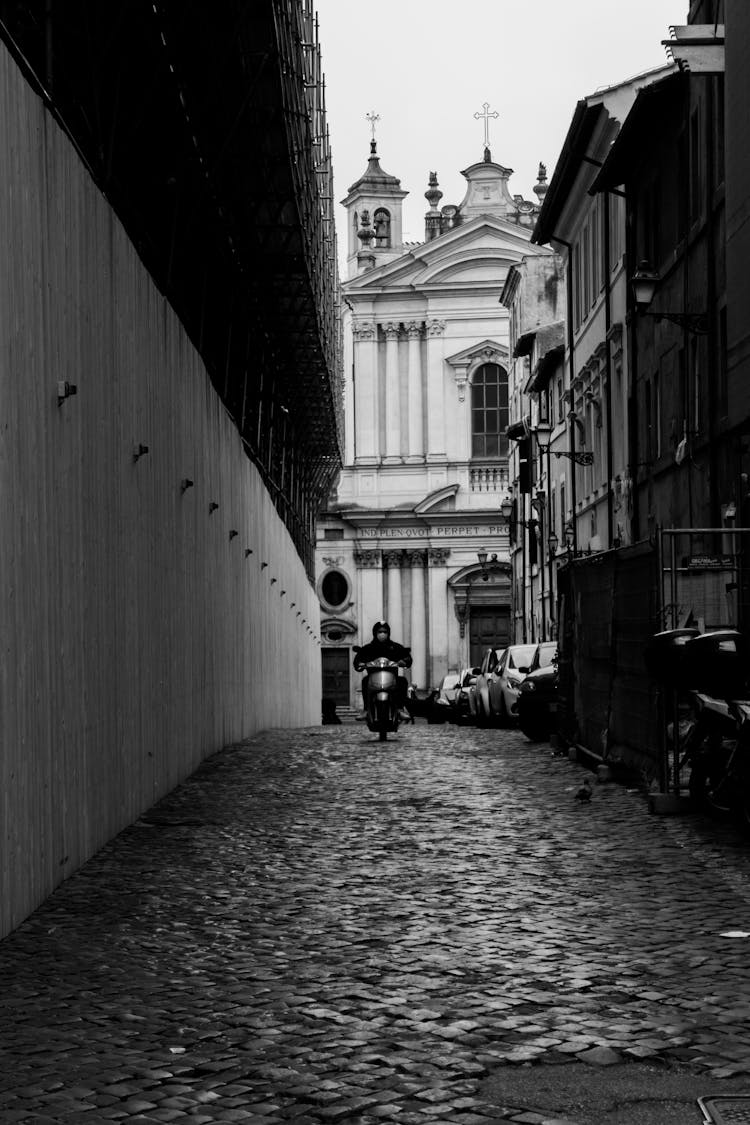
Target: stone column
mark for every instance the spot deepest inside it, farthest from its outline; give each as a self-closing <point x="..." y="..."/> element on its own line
<point x="365" y="397"/>
<point x="392" y="395"/>
<point x="370" y="604"/>
<point x="435" y="391"/>
<point x="414" y="387"/>
<point x="394" y="610"/>
<point x="438" y="613"/>
<point x="418" y="561"/>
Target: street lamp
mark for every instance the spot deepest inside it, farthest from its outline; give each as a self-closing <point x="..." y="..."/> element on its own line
<point x="570" y="538"/>
<point x="552" y="544"/>
<point x="644" y="283"/>
<point x="482" y="556"/>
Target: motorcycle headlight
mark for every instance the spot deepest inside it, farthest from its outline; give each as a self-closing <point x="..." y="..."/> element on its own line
<point x="528" y="687"/>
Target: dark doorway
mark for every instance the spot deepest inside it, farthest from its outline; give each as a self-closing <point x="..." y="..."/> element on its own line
<point x="489" y="627"/>
<point x="336" y="663"/>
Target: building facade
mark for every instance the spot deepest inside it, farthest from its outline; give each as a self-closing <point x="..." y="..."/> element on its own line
<point x="426" y="411"/>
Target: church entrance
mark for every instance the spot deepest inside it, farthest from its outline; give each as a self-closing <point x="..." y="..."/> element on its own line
<point x="336" y="663"/>
<point x="489" y="627"/>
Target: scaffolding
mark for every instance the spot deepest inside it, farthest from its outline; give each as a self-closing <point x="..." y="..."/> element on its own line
<point x="204" y="125"/>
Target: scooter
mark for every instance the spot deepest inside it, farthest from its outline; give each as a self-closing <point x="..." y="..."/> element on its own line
<point x="714" y="741"/>
<point x="718" y="753"/>
<point x="381" y="703"/>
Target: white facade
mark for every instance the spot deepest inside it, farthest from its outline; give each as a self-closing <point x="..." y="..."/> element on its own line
<point x="426" y="359"/>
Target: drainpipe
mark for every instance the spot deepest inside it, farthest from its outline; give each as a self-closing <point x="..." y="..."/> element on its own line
<point x="571" y="375"/>
<point x="631" y="319"/>
<point x="550" y="561"/>
<point x="608" y="366"/>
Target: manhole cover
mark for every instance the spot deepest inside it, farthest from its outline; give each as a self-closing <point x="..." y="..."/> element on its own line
<point x="719" y="1111"/>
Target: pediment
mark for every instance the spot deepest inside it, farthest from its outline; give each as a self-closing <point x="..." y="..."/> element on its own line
<point x="488" y="351"/>
<point x="476" y="252"/>
<point x="443" y="499"/>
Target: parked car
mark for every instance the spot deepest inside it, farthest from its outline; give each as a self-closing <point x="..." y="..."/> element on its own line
<point x="451" y="703"/>
<point x="462" y="706"/>
<point x="445" y="698"/>
<point x="537" y="697"/>
<point x="480" y="702"/>
<point x="507" y="679"/>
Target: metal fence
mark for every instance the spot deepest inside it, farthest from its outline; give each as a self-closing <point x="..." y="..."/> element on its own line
<point x="611" y="605"/>
<point x="608" y="607"/>
<point x="703" y="577"/>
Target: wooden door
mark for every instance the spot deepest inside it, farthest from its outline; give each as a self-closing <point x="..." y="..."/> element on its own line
<point x="489" y="627"/>
<point x="336" y="665"/>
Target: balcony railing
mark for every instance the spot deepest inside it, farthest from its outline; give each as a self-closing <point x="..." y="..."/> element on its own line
<point x="488" y="478"/>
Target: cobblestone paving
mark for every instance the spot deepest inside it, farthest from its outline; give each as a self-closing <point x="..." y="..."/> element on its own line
<point x="319" y="928"/>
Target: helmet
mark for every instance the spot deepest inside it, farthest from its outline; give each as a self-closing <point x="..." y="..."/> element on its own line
<point x="381" y="627"/>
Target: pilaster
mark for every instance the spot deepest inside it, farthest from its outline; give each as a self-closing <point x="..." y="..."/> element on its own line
<point x="418" y="561"/>
<point x="392" y="395"/>
<point x="365" y="371"/>
<point x="435" y="391"/>
<point x="394" y="606"/>
<point x="414" y="392"/>
<point x="438" y="613"/>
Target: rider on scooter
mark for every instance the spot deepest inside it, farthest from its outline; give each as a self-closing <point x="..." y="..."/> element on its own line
<point x="382" y="645"/>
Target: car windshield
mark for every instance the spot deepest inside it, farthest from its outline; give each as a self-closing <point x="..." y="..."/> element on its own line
<point x="521" y="657"/>
<point x="545" y="656"/>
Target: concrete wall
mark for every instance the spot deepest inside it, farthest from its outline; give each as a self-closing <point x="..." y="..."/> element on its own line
<point x="137" y="635"/>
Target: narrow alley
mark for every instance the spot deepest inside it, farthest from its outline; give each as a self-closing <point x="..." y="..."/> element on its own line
<point x="318" y="927"/>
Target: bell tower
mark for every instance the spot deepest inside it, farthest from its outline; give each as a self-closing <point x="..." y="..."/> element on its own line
<point x="374" y="221"/>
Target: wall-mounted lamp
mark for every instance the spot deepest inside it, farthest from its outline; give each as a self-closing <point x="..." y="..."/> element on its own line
<point x="482" y="556"/>
<point x="138" y="451"/>
<point x="185" y="484"/>
<point x="65" y="390"/>
<point x="570" y="537"/>
<point x="212" y="507"/>
<point x="644" y="283"/>
<point x="552" y="544"/>
<point x="506" y="513"/>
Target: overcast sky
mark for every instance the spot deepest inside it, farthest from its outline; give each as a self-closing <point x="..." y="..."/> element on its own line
<point x="427" y="66"/>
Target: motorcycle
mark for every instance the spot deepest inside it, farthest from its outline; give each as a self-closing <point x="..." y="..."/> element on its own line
<point x="381" y="703"/>
<point x="710" y="671"/>
<point x="717" y="750"/>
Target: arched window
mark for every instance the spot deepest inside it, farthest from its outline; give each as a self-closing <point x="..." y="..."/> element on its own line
<point x="489" y="411"/>
<point x="381" y="222"/>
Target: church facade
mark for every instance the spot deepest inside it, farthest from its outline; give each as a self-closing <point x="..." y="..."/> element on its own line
<point x="413" y="533"/>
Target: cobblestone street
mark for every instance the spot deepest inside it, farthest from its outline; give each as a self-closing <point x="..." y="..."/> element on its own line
<point x="320" y="928"/>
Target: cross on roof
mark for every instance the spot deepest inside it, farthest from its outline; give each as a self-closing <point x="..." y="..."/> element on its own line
<point x="372" y="118"/>
<point x="486" y="115"/>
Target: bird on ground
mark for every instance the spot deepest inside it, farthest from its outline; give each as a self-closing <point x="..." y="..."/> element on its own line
<point x="584" y="793"/>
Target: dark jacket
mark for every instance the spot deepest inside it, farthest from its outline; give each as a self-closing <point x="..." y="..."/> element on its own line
<point x="389" y="648"/>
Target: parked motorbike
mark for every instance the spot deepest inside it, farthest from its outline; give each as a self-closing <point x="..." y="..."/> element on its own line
<point x="381" y="702"/>
<point x="717" y="750"/>
<point x="709" y="671"/>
